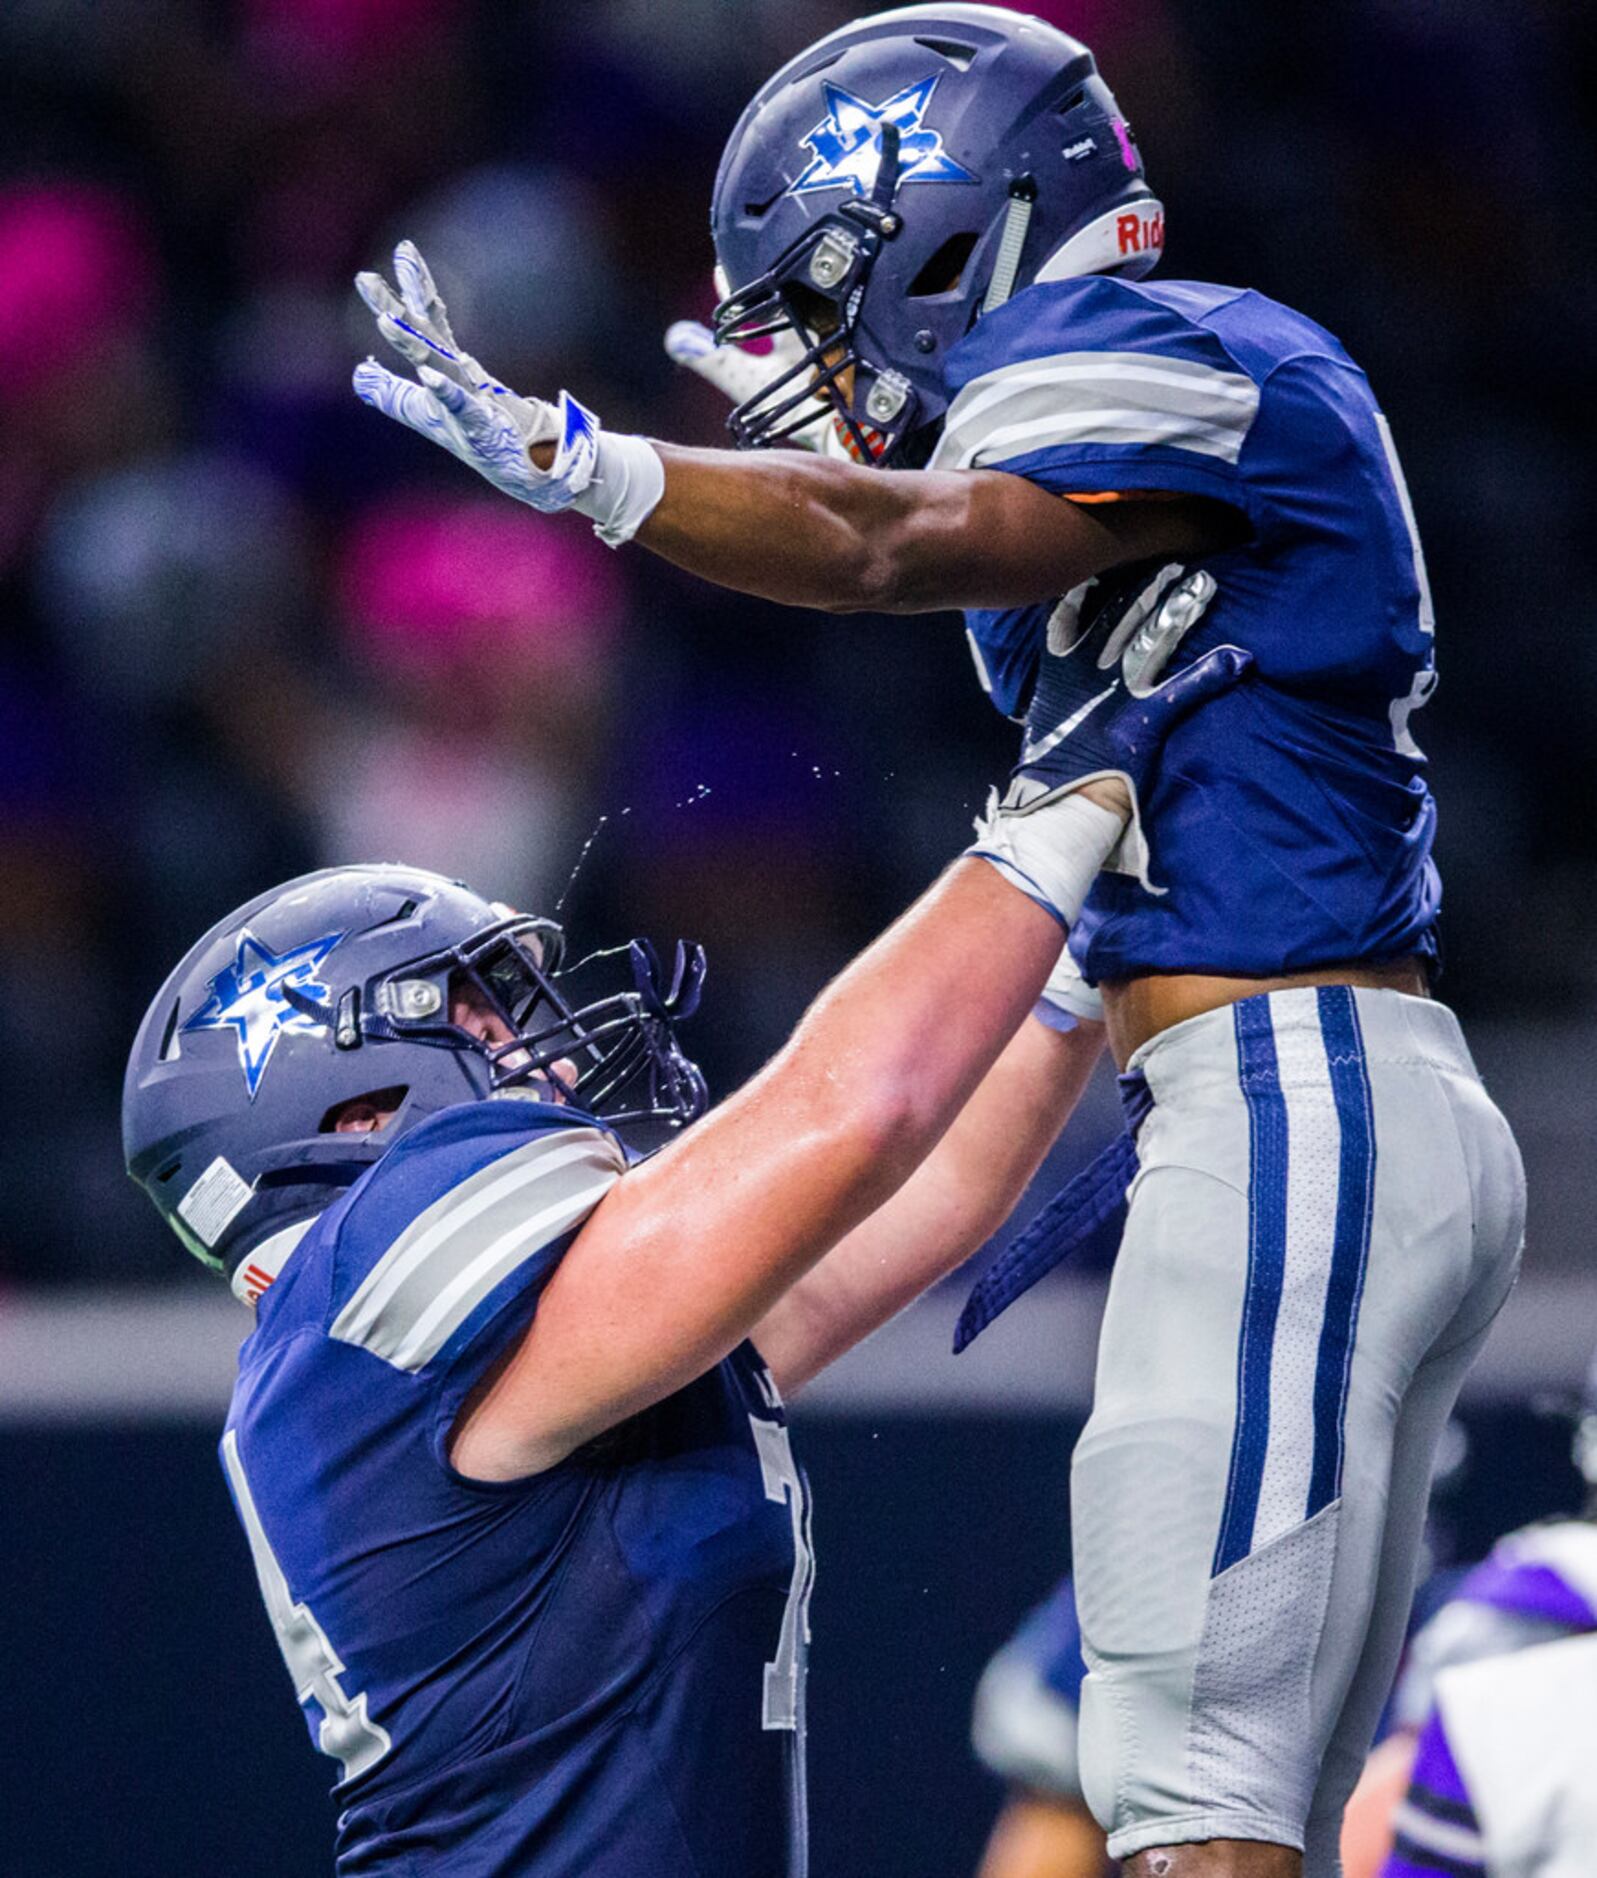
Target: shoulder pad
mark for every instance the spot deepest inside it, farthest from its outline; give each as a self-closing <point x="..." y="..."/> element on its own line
<point x="473" y="1198"/>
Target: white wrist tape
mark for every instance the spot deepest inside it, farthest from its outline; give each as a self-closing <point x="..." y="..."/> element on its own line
<point x="1051" y="852"/>
<point x="625" y="487"/>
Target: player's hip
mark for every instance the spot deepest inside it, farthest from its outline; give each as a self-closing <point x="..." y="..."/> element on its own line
<point x="1309" y="1147"/>
<point x="1138" y="1010"/>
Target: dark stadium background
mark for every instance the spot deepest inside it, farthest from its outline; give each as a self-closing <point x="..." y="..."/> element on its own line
<point x="247" y="628"/>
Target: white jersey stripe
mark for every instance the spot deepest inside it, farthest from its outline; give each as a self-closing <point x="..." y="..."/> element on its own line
<point x="1110" y="425"/>
<point x="488" y="1188"/>
<point x="461" y="1296"/>
<point x="1314" y="1140"/>
<point x="1438" y="1835"/>
<point x="542" y="1187"/>
<point x="1075" y="387"/>
<point x="1172" y="385"/>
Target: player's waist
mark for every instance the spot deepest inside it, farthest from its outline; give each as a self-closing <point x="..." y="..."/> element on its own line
<point x="1183" y="1018"/>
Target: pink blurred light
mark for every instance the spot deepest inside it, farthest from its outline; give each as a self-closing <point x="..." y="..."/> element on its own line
<point x="435" y="583"/>
<point x="79" y="273"/>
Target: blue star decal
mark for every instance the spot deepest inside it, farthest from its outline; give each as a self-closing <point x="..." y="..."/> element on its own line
<point x="247" y="997"/>
<point x="846" y="146"/>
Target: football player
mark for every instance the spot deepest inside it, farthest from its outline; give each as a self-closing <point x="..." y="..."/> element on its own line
<point x="1025" y="1731"/>
<point x="939" y="219"/>
<point x="1537" y="1586"/>
<point x="517" y="1486"/>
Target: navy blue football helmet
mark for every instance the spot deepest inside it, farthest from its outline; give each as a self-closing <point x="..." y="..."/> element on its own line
<point x="895" y="179"/>
<point x="341" y="985"/>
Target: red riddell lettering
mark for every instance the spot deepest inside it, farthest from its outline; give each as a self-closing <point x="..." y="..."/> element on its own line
<point x="1139" y="234"/>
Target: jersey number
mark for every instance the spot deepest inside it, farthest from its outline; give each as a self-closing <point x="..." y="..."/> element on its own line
<point x="784" y="1678"/>
<point x="347" y="1732"/>
<point x="1402" y="709"/>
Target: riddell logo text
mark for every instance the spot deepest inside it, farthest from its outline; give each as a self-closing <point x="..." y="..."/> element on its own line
<point x="1140" y="234"/>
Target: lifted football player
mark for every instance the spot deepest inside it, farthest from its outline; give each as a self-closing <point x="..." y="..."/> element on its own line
<point x="939" y="217"/>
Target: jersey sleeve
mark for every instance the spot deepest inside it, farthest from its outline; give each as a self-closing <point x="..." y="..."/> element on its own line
<point x="1092" y="387"/>
<point x="441" y="1257"/>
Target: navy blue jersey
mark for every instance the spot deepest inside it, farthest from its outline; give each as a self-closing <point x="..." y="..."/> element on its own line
<point x="1289" y="824"/>
<point x="595" y="1671"/>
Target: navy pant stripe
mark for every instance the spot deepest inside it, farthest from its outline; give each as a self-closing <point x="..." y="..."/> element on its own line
<point x="1260" y="1078"/>
<point x="1355" y="1197"/>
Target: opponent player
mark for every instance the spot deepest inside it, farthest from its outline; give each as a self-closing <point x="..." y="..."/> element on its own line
<point x="1025" y="1730"/>
<point x="1538" y="1586"/>
<point x="943" y="215"/>
<point x="517" y="1487"/>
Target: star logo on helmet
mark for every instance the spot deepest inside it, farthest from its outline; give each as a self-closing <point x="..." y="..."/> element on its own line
<point x="264" y="993"/>
<point x="846" y="146"/>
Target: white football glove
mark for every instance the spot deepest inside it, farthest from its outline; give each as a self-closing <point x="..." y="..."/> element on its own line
<point x="617" y="480"/>
<point x="740" y="375"/>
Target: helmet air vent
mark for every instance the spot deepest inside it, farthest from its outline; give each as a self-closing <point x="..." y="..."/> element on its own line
<point x="168" y="1036"/>
<point x="757" y="209"/>
<point x="956" y="53"/>
<point x="407" y="910"/>
<point x="1074" y="102"/>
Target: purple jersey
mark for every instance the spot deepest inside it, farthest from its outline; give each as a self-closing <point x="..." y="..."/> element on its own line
<point x="595" y="1671"/>
<point x="1538" y="1586"/>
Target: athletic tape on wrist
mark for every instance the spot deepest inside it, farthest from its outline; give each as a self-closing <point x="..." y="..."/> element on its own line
<point x="627" y="484"/>
<point x="1052" y="852"/>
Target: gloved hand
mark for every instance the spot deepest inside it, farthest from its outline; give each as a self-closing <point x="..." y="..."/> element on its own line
<point x="617" y="480"/>
<point x="739" y="375"/>
<point x="1101" y="709"/>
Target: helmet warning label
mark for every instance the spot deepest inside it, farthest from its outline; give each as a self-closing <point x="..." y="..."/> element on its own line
<point x="214" y="1201"/>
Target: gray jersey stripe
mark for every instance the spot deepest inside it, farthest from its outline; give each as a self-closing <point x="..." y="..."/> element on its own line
<point x="1099" y="426"/>
<point x="461" y="1296"/>
<point x="1163" y="384"/>
<point x="522" y="1201"/>
<point x="1216" y="408"/>
<point x="484" y="1190"/>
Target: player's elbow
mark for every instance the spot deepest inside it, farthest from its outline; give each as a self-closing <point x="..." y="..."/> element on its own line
<point x="867" y="580"/>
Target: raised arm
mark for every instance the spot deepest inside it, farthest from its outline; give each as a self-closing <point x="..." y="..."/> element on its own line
<point x="949" y="1207"/>
<point x="690" y="1251"/>
<point x="784" y="524"/>
<point x="816" y="532"/>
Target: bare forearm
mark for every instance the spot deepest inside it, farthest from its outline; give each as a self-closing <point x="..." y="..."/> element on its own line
<point x="950" y="1206"/>
<point x="809" y="531"/>
<point x="691" y="1250"/>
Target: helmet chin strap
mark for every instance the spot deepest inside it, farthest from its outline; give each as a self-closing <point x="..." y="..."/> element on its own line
<point x="1017" y="219"/>
<point x="1126" y="240"/>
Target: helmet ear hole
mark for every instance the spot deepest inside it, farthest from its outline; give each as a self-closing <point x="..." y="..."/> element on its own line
<point x="943" y="270"/>
<point x="383" y="1103"/>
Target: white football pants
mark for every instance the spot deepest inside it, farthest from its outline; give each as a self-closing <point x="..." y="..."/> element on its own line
<point x="1327" y="1217"/>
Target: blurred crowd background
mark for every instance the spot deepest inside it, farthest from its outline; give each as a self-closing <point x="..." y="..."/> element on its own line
<point x="250" y="629"/>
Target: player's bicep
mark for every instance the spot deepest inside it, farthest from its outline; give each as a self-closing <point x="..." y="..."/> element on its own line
<point x="991" y="538"/>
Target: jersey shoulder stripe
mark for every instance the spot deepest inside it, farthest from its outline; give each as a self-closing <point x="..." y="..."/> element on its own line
<point x="1071" y="398"/>
<point x="1103" y="372"/>
<point x="433" y="1275"/>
